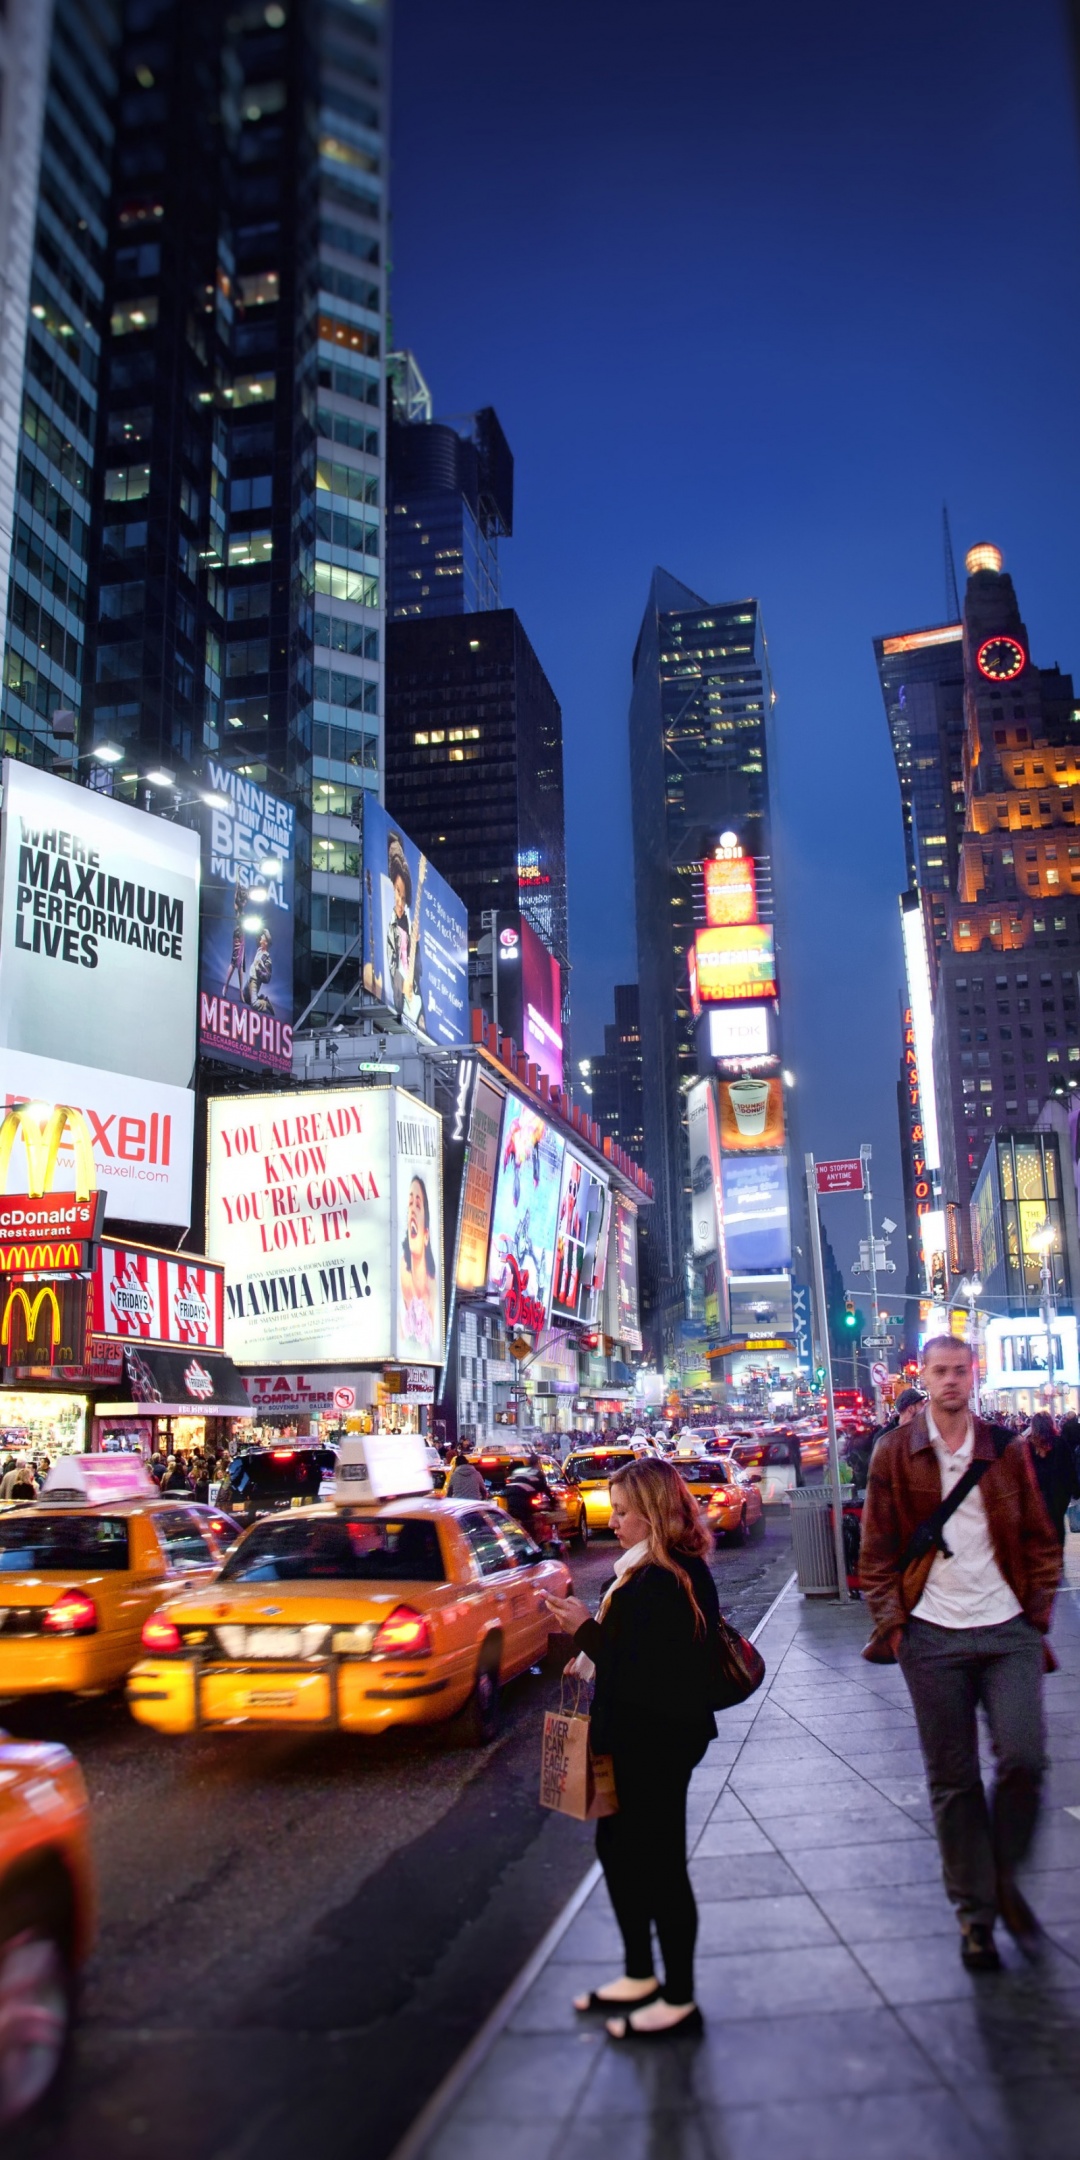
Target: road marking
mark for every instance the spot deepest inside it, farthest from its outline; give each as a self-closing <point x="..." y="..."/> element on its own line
<point x="432" y="2115"/>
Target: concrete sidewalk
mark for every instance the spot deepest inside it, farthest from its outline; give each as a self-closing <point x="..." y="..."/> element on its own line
<point x="840" y="2019"/>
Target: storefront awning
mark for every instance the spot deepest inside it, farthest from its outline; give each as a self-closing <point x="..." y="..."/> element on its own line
<point x="181" y="1383"/>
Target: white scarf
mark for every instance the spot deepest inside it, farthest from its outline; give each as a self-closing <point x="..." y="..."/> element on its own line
<point x="582" y="1666"/>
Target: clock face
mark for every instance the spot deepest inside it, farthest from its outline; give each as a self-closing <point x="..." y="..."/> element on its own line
<point x="1000" y="659"/>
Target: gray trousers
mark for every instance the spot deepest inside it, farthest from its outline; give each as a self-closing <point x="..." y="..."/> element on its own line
<point x="949" y="1672"/>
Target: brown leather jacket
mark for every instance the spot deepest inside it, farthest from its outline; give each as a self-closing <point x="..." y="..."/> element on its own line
<point x="904" y="1487"/>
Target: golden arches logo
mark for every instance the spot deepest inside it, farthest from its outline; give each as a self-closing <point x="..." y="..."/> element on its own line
<point x="42" y="1139"/>
<point x="37" y="1259"/>
<point x="31" y="1309"/>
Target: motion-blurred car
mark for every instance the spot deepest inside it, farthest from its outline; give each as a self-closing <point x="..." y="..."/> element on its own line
<point x="588" y="1472"/>
<point x="773" y="1462"/>
<point x="46" y="1915"/>
<point x="81" y="1569"/>
<point x="400" y="1612"/>
<point x="566" y="1512"/>
<point x="263" y="1481"/>
<point x="735" y="1509"/>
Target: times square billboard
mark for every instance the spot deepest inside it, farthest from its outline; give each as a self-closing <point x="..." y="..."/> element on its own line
<point x="246" y="957"/>
<point x="415" y="933"/>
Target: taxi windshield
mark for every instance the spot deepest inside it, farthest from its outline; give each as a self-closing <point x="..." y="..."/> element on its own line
<point x="339" y="1551"/>
<point x="596" y="1469"/>
<point x="703" y="1472"/>
<point x="44" y="1544"/>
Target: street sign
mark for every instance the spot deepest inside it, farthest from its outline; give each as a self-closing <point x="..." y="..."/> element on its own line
<point x="843" y="1176"/>
<point x="879" y="1374"/>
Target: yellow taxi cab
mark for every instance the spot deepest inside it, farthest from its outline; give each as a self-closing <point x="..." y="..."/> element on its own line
<point x="82" y="1568"/>
<point x="732" y="1503"/>
<point x="46" y="1915"/>
<point x="383" y="1608"/>
<point x="566" y="1509"/>
<point x="588" y="1471"/>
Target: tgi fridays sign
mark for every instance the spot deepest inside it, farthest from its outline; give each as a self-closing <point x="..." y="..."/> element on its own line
<point x="146" y="1297"/>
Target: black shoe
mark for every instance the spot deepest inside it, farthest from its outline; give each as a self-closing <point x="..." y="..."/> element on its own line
<point x="1019" y="1918"/>
<point x="689" y="2027"/>
<point x="978" y="1950"/>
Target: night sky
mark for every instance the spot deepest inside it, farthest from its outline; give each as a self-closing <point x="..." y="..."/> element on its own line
<point x="754" y="290"/>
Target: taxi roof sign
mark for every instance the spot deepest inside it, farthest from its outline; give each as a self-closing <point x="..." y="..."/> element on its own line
<point x="381" y="1466"/>
<point x="86" y="1479"/>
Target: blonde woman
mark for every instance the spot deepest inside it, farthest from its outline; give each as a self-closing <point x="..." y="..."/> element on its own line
<point x="653" y="1645"/>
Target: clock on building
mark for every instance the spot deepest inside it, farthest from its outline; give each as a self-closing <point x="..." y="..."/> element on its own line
<point x="1000" y="659"/>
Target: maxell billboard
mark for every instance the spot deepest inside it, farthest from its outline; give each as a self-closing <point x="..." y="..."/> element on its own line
<point x="246" y="962"/>
<point x="99" y="914"/>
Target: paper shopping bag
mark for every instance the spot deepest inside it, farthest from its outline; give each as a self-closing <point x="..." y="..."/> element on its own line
<point x="573" y="1780"/>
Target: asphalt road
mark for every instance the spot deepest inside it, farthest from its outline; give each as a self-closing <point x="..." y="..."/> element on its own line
<point x="299" y="1936"/>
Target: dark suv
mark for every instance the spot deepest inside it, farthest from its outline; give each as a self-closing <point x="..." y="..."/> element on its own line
<point x="260" y="1481"/>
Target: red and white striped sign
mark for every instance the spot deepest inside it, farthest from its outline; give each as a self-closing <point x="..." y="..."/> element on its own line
<point x="147" y="1297"/>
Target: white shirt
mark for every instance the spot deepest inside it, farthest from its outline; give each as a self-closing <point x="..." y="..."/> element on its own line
<point x="969" y="1590"/>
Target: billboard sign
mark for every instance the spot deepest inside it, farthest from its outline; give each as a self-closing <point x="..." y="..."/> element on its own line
<point x="307" y="1214"/>
<point x="246" y="957"/>
<point x="757" y="1228"/>
<point x="761" y="1305"/>
<point x="142" y="1296"/>
<point x="623" y="1313"/>
<point x="735" y="963"/>
<point x="415" y="933"/>
<point x="704" y="1226"/>
<point x="581" y="1246"/>
<point x="730" y="889"/>
<point x="141" y="1134"/>
<point x="478" y="1188"/>
<point x="541" y="1006"/>
<point x="741" y="1033"/>
<point x="99" y="925"/>
<point x="751" y="1116"/>
<point x="525" y="1215"/>
<point x="803" y="1319"/>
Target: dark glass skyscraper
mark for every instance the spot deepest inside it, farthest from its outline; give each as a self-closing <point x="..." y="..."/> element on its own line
<point x="450" y="501"/>
<point x="922" y="682"/>
<point x="612" y="1082"/>
<point x="56" y="144"/>
<point x="236" y="596"/>
<point x="699" y="766"/>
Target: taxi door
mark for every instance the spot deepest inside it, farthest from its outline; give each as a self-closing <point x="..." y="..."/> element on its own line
<point x="141" y="1593"/>
<point x="501" y="1579"/>
<point x="527" y="1561"/>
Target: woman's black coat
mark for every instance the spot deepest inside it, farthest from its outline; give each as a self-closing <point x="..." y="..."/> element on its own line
<point x="654" y="1671"/>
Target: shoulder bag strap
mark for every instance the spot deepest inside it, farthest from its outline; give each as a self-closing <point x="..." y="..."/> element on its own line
<point x="928" y="1536"/>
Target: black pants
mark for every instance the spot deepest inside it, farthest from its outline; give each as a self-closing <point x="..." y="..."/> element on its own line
<point x="642" y="1850"/>
<point x="949" y="1672"/>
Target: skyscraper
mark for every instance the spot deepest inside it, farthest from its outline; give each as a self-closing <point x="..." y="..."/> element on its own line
<point x="56" y="138"/>
<point x="699" y="768"/>
<point x="236" y="596"/>
<point x="450" y="500"/>
<point x="922" y="682"/>
<point x="613" y="1080"/>
<point x="1006" y="1019"/>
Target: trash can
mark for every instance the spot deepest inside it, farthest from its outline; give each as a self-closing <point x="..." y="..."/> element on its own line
<point x="812" y="1539"/>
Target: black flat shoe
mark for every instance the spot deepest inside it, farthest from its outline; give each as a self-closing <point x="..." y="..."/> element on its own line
<point x="607" y="2003"/>
<point x="689" y="2027"/>
<point x="978" y="1950"/>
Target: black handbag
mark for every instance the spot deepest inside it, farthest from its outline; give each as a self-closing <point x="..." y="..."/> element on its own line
<point x="737" y="1669"/>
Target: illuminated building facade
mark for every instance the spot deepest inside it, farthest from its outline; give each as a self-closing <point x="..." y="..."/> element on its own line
<point x="1006" y="1019"/>
<point x="613" y="1088"/>
<point x="700" y="754"/>
<point x="922" y="682"/>
<point x="234" y="608"/>
<point x="450" y="499"/>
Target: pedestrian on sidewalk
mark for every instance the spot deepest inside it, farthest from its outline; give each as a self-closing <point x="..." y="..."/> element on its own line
<point x="1053" y="1460"/>
<point x="959" y="1566"/>
<point x="465" y="1481"/>
<point x="653" y="1646"/>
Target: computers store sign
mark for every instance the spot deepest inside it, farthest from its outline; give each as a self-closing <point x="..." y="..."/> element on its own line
<point x="142" y="1296"/>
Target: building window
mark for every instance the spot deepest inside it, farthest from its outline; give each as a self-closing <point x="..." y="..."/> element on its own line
<point x="247" y="548"/>
<point x="129" y="315"/>
<point x="127" y="483"/>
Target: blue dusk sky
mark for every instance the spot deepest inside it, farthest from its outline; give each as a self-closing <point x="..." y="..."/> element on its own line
<point x="754" y="290"/>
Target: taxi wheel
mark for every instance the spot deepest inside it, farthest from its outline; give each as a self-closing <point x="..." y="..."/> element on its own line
<point x="583" y="1530"/>
<point x="36" y="1992"/>
<point x="741" y="1533"/>
<point x="480" y="1717"/>
<point x="757" y="1530"/>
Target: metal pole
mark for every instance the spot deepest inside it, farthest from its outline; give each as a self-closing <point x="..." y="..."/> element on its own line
<point x="826" y="1356"/>
<point x="864" y="1153"/>
<point x="1049" y="1315"/>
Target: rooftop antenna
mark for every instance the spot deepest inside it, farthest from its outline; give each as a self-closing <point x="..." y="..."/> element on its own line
<point x="952" y="596"/>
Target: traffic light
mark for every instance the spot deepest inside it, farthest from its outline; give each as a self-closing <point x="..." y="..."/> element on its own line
<point x="849" y="1312"/>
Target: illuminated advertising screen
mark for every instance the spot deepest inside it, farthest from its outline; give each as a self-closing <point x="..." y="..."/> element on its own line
<point x="581" y="1242"/>
<point x="478" y="1186"/>
<point x="415" y="933"/>
<point x="730" y="890"/>
<point x="246" y="959"/>
<point x="525" y="1216"/>
<point x="99" y="930"/>
<point x="735" y="963"/>
<point x="757" y="1228"/>
<point x="622" y="1309"/>
<point x="141" y="1133"/>
<point x="751" y="1116"/>
<point x="761" y="1305"/>
<point x="740" y="1034"/>
<point x="332" y="1251"/>
<point x="541" y="1006"/>
<point x="704" y="1227"/>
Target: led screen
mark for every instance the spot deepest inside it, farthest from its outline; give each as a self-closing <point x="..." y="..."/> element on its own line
<point x="581" y="1243"/>
<point x="751" y="1116"/>
<point x="525" y="1216"/>
<point x="757" y="1230"/>
<point x="415" y="933"/>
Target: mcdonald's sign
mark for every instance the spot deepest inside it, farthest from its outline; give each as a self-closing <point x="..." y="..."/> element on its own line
<point x="67" y="1259"/>
<point x="45" y="1325"/>
<point x="31" y="1305"/>
<point x="42" y="1141"/>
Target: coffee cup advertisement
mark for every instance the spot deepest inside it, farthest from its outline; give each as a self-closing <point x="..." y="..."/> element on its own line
<point x="751" y="1116"/>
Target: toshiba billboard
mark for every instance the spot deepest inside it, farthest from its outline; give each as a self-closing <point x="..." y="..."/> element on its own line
<point x="99" y="937"/>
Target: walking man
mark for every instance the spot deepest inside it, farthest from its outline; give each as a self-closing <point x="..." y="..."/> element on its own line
<point x="959" y="1565"/>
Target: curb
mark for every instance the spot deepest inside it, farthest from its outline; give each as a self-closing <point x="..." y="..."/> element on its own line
<point x="435" y="2110"/>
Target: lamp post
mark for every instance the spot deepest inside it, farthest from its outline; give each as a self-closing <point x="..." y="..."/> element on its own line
<point x="970" y="1289"/>
<point x="1042" y="1241"/>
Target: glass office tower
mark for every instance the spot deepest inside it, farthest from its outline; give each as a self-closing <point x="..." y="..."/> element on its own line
<point x="56" y="140"/>
<point x="450" y="501"/>
<point x="236" y="597"/>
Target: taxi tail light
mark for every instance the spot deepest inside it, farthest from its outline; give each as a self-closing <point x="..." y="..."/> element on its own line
<point x="405" y="1634"/>
<point x="282" y="1454"/>
<point x="72" y="1614"/>
<point x="160" y="1634"/>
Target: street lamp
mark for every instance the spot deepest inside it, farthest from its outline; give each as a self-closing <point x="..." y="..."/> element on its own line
<point x="1043" y="1241"/>
<point x="969" y="1288"/>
